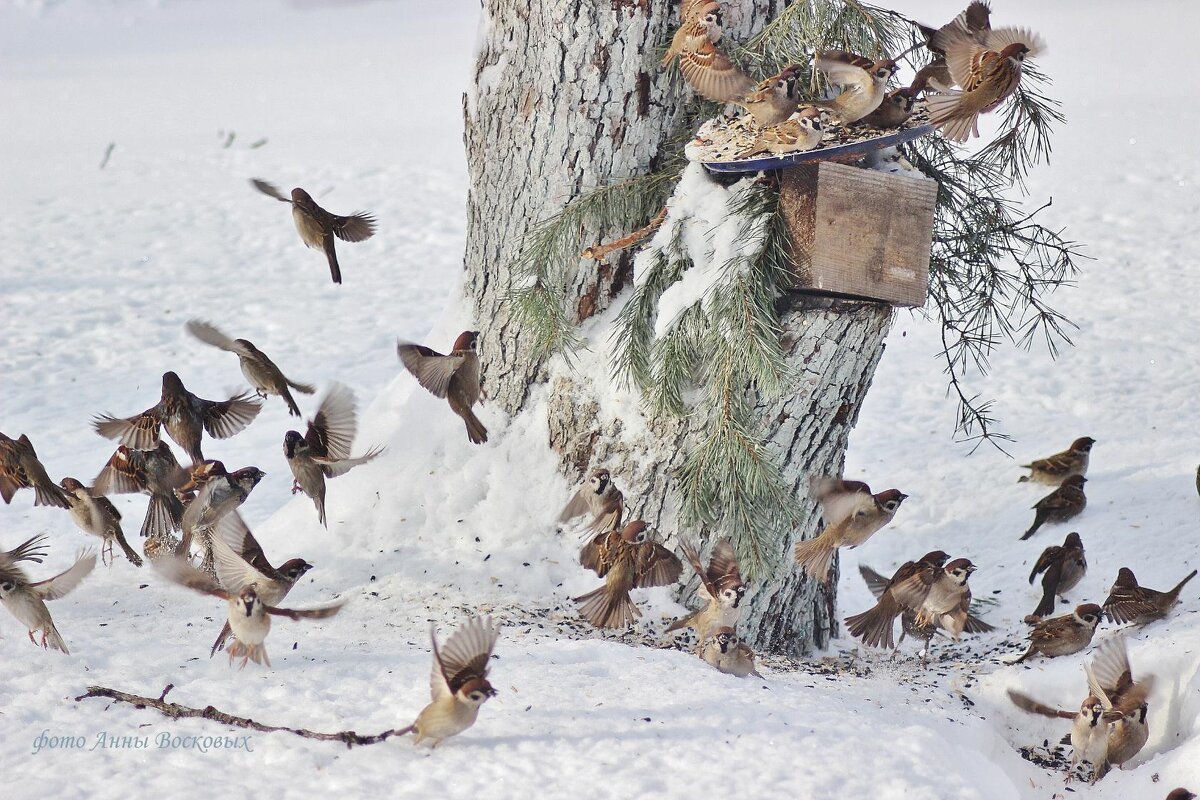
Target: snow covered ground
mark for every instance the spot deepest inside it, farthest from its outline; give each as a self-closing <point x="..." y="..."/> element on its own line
<point x="360" y="103"/>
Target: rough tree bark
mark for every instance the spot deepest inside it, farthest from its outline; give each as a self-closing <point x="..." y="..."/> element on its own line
<point x="568" y="96"/>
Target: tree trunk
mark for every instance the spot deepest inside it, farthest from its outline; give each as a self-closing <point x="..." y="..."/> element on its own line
<point x="567" y="96"/>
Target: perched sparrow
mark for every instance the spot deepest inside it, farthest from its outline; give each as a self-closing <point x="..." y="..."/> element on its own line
<point x="1054" y="469"/>
<point x="27" y="601"/>
<point x="1064" y="503"/>
<point x="156" y="473"/>
<point x="324" y="450"/>
<point x="987" y="65"/>
<point x="1128" y="602"/>
<point x="722" y="649"/>
<point x="1062" y="568"/>
<point x="599" y="497"/>
<point x="458" y="682"/>
<point x="220" y="492"/>
<point x="773" y="101"/>
<point x="895" y="109"/>
<point x="852" y="515"/>
<point x="722" y="586"/>
<point x="627" y="560"/>
<point x="20" y="469"/>
<point x="185" y="417"/>
<point x="95" y="514"/>
<point x="1065" y="635"/>
<point x="264" y="376"/>
<point x="318" y="227"/>
<point x="272" y="584"/>
<point x="454" y="377"/>
<point x="909" y="624"/>
<point x="1111" y="679"/>
<point x="863" y="82"/>
<point x="240" y="584"/>
<point x="1089" y="732"/>
<point x="802" y="131"/>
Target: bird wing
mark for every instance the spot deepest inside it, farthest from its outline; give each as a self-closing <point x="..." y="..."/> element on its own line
<point x="910" y="590"/>
<point x="62" y="583"/>
<point x="693" y="558"/>
<point x="962" y="56"/>
<point x="354" y="228"/>
<point x="723" y="565"/>
<point x="32" y="549"/>
<point x="713" y="75"/>
<point x="234" y="531"/>
<point x="1027" y="703"/>
<point x="595" y="554"/>
<point x="228" y="417"/>
<point x="269" y="190"/>
<point x="120" y="475"/>
<point x="975" y="625"/>
<point x="431" y="369"/>
<point x="463" y="657"/>
<point x="840" y="499"/>
<point x="324" y="612"/>
<point x="234" y="572"/>
<point x="107" y="505"/>
<point x="140" y="431"/>
<point x="654" y="565"/>
<point x="577" y="506"/>
<point x="876" y="583"/>
<point x="1127" y="603"/>
<point x="210" y="334"/>
<point x="179" y="570"/>
<point x="844" y="69"/>
<point x="333" y="469"/>
<point x="1049" y="556"/>
<point x="331" y="432"/>
<point x="1001" y="38"/>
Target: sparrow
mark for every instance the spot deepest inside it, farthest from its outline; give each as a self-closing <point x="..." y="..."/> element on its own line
<point x="185" y="417"/>
<point x="317" y="227"/>
<point x="458" y="682"/>
<point x="699" y="22"/>
<point x="600" y="498"/>
<point x="772" y="101"/>
<point x="156" y="473"/>
<point x="703" y="65"/>
<point x="27" y="601"/>
<point x="271" y="584"/>
<point x="1064" y="503"/>
<point x="1181" y="794"/>
<point x="863" y="82"/>
<point x="20" y="469"/>
<point x="987" y="67"/>
<point x="975" y="19"/>
<point x="852" y="515"/>
<point x="802" y="131"/>
<point x="1089" y="730"/>
<point x="1053" y="470"/>
<point x="324" y="449"/>
<point x="95" y="514"/>
<point x="909" y="625"/>
<point x="239" y="585"/>
<point x="264" y="376"/>
<point x="1065" y="635"/>
<point x="1110" y="678"/>
<point x="947" y="601"/>
<point x="627" y="560"/>
<point x="895" y="109"/>
<point x="1128" y="602"/>
<point x="722" y="649"/>
<point x="219" y="493"/>
<point x="454" y="377"/>
<point x="721" y="584"/>
<point x="910" y="582"/>
<point x="1061" y="567"/>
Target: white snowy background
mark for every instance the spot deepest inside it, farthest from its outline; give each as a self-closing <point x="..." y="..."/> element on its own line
<point x="360" y="102"/>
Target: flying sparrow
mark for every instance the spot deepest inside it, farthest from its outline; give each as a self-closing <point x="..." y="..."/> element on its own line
<point x="324" y="449"/>
<point x="239" y="585"/>
<point x="975" y="19"/>
<point x="852" y="515"/>
<point x="1052" y="470"/>
<point x="910" y="582"/>
<point x="699" y="23"/>
<point x="95" y="514"/>
<point x="1128" y="602"/>
<point x="317" y="227"/>
<point x="1065" y="635"/>
<point x="1110" y="678"/>
<point x="27" y="601"/>
<point x="454" y="377"/>
<point x="987" y="65"/>
<point x="721" y="585"/>
<point x="1064" y="503"/>
<point x="600" y="498"/>
<point x="458" y="682"/>
<point x="802" y="131"/>
<point x="264" y="376"/>
<point x="722" y="649"/>
<point x="272" y="584"/>
<point x="627" y="560"/>
<point x="20" y="469"/>
<point x="158" y="474"/>
<point x="947" y="602"/>
<point x="704" y="66"/>
<point x="863" y="82"/>
<point x="185" y="417"/>
<point x="1089" y="731"/>
<point x="219" y="493"/>
<point x="895" y="109"/>
<point x="1062" y="568"/>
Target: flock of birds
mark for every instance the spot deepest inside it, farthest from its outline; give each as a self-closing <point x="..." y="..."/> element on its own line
<point x="973" y="69"/>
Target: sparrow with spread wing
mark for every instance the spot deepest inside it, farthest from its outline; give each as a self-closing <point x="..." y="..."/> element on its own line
<point x="454" y="377"/>
<point x="720" y="584"/>
<point x="600" y="498"/>
<point x="627" y="559"/>
<point x="21" y="469"/>
<point x="852" y="515"/>
<point x="863" y="82"/>
<point x="26" y="600"/>
<point x="264" y="376"/>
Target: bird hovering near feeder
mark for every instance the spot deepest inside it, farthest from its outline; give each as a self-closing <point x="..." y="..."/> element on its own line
<point x="863" y="82"/>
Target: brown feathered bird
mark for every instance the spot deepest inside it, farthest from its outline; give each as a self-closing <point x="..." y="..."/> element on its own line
<point x="1129" y="602"/>
<point x="318" y="227"/>
<point x="1061" y="568"/>
<point x="264" y="376"/>
<point x="20" y="469"/>
<point x="911" y="580"/>
<point x="1053" y="470"/>
<point x="1066" y="502"/>
<point x="722" y="587"/>
<point x="454" y="377"/>
<point x="1065" y="635"/>
<point x="95" y="514"/>
<point x="156" y="473"/>
<point x="627" y="560"/>
<point x="1110" y="678"/>
<point x="851" y="514"/>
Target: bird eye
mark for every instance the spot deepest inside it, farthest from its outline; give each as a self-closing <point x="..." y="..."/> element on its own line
<point x="7" y="586"/>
